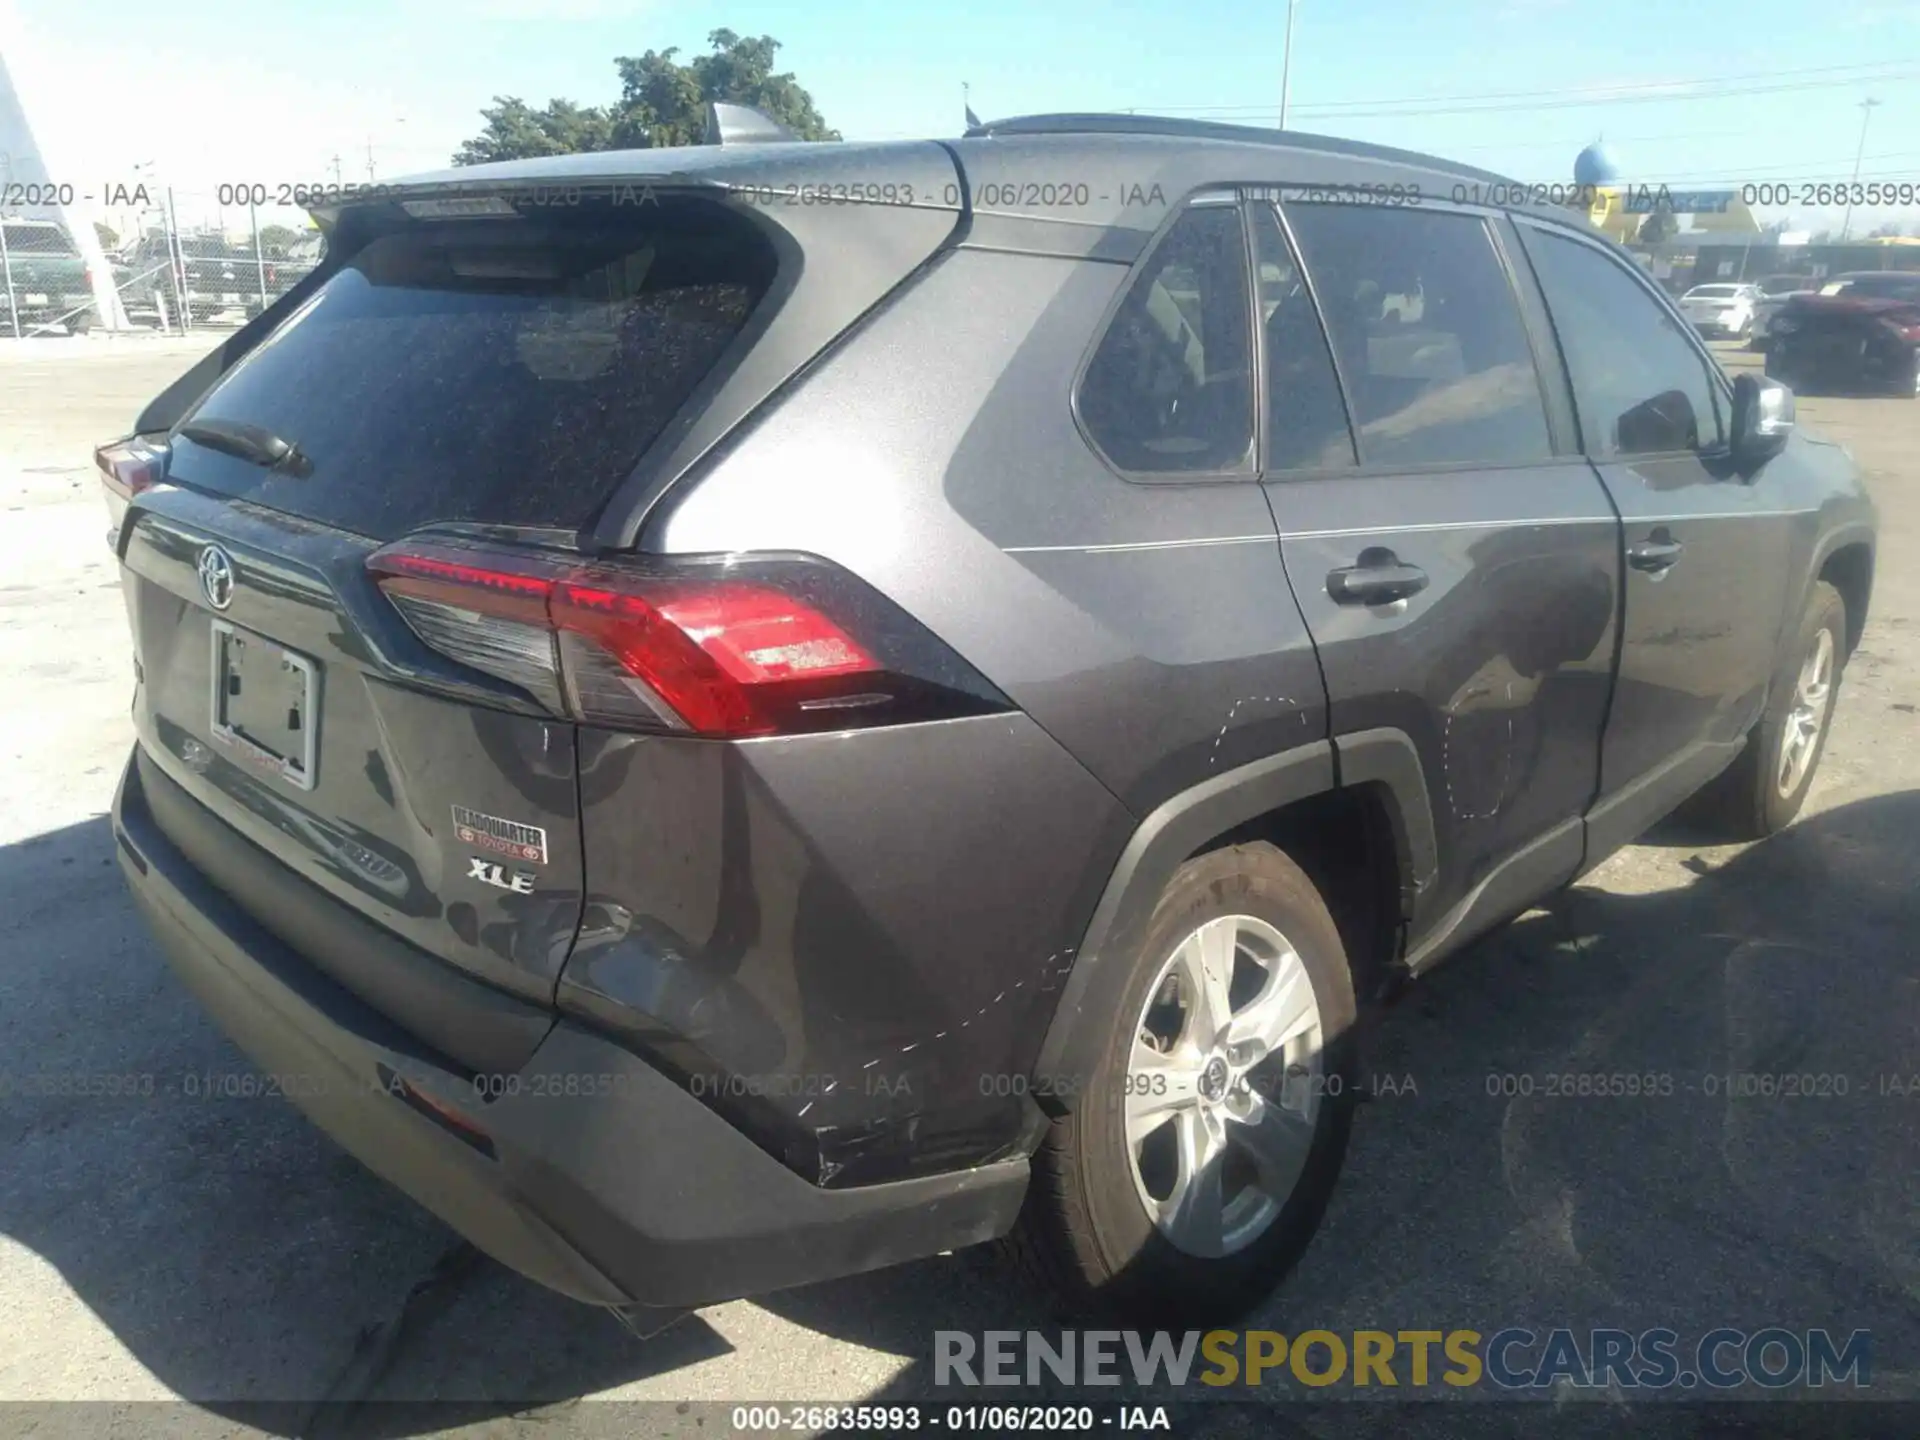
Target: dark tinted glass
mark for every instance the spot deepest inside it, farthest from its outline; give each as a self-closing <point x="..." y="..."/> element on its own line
<point x="1170" y="388"/>
<point x="1429" y="334"/>
<point x="504" y="372"/>
<point x="39" y="240"/>
<point x="1306" y="418"/>
<point x="1638" y="382"/>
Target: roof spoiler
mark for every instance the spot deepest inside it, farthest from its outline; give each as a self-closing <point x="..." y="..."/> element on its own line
<point x="729" y="124"/>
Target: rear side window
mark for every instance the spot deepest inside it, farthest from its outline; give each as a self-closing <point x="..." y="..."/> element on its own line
<point x="1429" y="335"/>
<point x="505" y="372"/>
<point x="1640" y="386"/>
<point x="1169" y="389"/>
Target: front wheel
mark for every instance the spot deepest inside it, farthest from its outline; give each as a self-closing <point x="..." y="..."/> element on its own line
<point x="1195" y="1167"/>
<point x="1766" y="785"/>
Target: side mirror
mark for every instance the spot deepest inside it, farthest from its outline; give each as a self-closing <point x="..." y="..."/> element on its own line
<point x="1762" y="419"/>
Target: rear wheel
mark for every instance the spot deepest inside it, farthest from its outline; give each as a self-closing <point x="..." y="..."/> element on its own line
<point x="1765" y="787"/>
<point x="1197" y="1163"/>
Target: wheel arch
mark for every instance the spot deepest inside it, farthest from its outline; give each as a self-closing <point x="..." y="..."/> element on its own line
<point x="1846" y="563"/>
<point x="1382" y="789"/>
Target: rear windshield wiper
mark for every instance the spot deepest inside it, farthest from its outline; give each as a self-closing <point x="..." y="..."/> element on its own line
<point x="248" y="442"/>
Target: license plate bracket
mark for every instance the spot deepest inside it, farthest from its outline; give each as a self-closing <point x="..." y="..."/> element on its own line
<point x="265" y="704"/>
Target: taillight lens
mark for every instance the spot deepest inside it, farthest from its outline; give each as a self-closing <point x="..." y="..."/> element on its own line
<point x="127" y="468"/>
<point x="729" y="648"/>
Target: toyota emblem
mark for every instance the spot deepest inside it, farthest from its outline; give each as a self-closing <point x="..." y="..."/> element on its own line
<point x="216" y="576"/>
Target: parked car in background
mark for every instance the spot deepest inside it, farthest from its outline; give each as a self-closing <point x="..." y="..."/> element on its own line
<point x="1859" y="332"/>
<point x="1721" y="310"/>
<point x="144" y="272"/>
<point x="207" y="277"/>
<point x="46" y="286"/>
<point x="689" y="887"/>
<point x="223" y="277"/>
<point x="1775" y="290"/>
<point x="285" y="270"/>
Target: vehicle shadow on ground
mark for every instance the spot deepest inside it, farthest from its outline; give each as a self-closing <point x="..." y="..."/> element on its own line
<point x="1768" y="1014"/>
<point x="241" y="1258"/>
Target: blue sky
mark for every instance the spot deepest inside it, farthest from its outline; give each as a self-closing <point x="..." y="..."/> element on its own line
<point x="224" y="90"/>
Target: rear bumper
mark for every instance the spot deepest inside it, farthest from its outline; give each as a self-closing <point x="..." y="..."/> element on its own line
<point x="593" y="1173"/>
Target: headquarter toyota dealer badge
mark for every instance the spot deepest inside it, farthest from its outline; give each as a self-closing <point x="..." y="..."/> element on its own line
<point x="502" y="836"/>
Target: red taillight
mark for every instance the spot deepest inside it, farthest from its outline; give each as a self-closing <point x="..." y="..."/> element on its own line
<point x="716" y="652"/>
<point x="128" y="467"/>
<point x="712" y="650"/>
<point x="132" y="465"/>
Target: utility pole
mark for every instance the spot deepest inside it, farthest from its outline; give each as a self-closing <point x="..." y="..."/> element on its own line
<point x="336" y="168"/>
<point x="1286" y="66"/>
<point x="1866" y="114"/>
<point x="370" y="174"/>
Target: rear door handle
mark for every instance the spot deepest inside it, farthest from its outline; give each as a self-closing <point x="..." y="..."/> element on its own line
<point x="1378" y="579"/>
<point x="1656" y="554"/>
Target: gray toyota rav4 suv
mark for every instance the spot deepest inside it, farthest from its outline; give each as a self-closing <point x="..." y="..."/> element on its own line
<point x="732" y="715"/>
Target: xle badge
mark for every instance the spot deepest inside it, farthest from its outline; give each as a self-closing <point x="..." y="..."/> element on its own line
<point x="491" y="872"/>
<point x="500" y="835"/>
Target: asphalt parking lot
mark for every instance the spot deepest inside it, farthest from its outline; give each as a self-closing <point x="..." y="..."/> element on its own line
<point x="224" y="1252"/>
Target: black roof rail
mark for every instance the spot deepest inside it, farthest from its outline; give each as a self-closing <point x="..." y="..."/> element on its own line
<point x="1106" y="124"/>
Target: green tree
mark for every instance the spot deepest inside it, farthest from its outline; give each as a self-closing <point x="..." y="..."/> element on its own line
<point x="109" y="241"/>
<point x="516" y="130"/>
<point x="1657" y="228"/>
<point x="662" y="102"/>
<point x="276" y="240"/>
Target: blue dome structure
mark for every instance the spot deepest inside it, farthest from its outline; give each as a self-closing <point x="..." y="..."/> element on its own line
<point x="1594" y="166"/>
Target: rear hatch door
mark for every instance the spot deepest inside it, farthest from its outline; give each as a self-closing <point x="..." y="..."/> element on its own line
<point x="499" y="377"/>
<point x="525" y="354"/>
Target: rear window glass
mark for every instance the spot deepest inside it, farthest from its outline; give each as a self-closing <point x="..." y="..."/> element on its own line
<point x="1714" y="292"/>
<point x="506" y="372"/>
<point x="39" y="240"/>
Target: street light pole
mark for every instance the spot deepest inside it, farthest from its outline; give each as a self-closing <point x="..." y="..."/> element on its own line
<point x="1286" y="66"/>
<point x="1866" y="114"/>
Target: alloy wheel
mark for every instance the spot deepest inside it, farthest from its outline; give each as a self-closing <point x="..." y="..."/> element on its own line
<point x="1224" y="1085"/>
<point x="1801" y="736"/>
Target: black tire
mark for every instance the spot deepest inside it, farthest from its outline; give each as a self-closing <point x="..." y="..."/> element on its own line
<point x="1745" y="801"/>
<point x="1084" y="1235"/>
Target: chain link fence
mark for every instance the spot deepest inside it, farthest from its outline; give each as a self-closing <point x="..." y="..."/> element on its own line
<point x="188" y="261"/>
